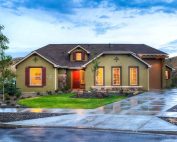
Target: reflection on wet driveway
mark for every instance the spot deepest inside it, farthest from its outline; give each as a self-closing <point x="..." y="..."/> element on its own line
<point x="148" y="103"/>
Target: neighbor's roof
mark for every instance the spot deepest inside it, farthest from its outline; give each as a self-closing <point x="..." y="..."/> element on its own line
<point x="58" y="53"/>
<point x="170" y="67"/>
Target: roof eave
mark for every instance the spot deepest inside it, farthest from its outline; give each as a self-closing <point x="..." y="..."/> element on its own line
<point x="32" y="53"/>
<point x="78" y="46"/>
<point x="173" y="69"/>
<point x="162" y="55"/>
<point x="119" y="52"/>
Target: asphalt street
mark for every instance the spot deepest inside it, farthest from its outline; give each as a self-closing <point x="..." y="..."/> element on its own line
<point x="78" y="135"/>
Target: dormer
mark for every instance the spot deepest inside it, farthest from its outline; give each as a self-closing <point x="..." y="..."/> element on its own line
<point x="78" y="54"/>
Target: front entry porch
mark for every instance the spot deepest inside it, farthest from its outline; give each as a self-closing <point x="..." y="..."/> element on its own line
<point x="78" y="79"/>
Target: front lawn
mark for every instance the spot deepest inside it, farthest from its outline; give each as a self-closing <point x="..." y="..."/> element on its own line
<point x="66" y="101"/>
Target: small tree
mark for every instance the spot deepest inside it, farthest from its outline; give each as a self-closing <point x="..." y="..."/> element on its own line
<point x="6" y="74"/>
<point x="95" y="64"/>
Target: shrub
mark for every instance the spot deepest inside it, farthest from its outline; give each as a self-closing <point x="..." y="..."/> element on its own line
<point x="11" y="90"/>
<point x="56" y="91"/>
<point x="174" y="82"/>
<point x="18" y="93"/>
<point x="8" y="102"/>
<point x="49" y="92"/>
<point x="38" y="93"/>
<point x="65" y="88"/>
<point x="7" y="97"/>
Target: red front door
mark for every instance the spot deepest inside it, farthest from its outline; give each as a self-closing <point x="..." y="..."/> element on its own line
<point x="76" y="79"/>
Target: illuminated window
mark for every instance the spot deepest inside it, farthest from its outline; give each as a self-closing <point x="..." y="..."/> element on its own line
<point x="133" y="75"/>
<point x="99" y="76"/>
<point x="116" y="75"/>
<point x="167" y="75"/>
<point x="35" y="76"/>
<point x="82" y="77"/>
<point x="78" y="56"/>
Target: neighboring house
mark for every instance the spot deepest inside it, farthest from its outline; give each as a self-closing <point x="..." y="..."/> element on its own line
<point x="55" y="66"/>
<point x="14" y="62"/>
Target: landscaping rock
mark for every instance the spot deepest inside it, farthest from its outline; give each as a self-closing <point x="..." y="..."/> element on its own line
<point x="3" y="104"/>
<point x="9" y="117"/>
<point x="59" y="92"/>
<point x="17" y="106"/>
<point x="173" y="109"/>
<point x="171" y="120"/>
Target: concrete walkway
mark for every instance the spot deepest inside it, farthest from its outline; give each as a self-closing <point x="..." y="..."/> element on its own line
<point x="139" y="113"/>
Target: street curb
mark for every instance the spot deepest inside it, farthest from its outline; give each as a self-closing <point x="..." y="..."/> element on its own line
<point x="10" y="126"/>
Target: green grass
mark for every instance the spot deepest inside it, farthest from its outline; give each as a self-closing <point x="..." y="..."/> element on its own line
<point x="66" y="101"/>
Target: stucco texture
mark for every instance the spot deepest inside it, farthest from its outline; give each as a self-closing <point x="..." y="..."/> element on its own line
<point x="39" y="62"/>
<point x="168" y="82"/>
<point x="124" y="61"/>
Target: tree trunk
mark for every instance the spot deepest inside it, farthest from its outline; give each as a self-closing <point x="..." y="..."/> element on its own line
<point x="3" y="93"/>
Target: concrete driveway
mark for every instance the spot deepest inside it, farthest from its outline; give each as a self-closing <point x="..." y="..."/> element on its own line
<point x="138" y="113"/>
<point x="149" y="103"/>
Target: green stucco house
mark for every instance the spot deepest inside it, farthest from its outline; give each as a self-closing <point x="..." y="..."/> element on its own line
<point x="100" y="66"/>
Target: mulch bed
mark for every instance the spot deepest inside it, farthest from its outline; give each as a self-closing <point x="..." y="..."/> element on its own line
<point x="99" y="95"/>
<point x="9" y="117"/>
<point x="173" y="109"/>
<point x="171" y="120"/>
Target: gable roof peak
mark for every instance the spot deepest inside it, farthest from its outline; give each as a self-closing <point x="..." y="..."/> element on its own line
<point x="78" y="46"/>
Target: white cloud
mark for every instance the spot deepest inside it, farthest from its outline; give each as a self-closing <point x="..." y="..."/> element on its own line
<point x="77" y="1"/>
<point x="29" y="29"/>
<point x="168" y="1"/>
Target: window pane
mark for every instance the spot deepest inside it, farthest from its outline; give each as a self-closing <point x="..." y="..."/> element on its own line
<point x="116" y="76"/>
<point x="36" y="76"/>
<point x="82" y="77"/>
<point x="78" y="56"/>
<point x="167" y="75"/>
<point x="134" y="76"/>
<point x="99" y="76"/>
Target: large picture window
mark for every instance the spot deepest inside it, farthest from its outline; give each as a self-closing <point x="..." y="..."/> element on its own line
<point x="35" y="76"/>
<point x="99" y="76"/>
<point x="133" y="76"/>
<point x="116" y="76"/>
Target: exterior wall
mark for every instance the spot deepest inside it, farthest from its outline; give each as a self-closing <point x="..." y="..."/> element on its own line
<point x="156" y="73"/>
<point x="78" y="50"/>
<point x="69" y="78"/>
<point x="163" y="74"/>
<point x="51" y="72"/>
<point x="124" y="61"/>
<point x="61" y="78"/>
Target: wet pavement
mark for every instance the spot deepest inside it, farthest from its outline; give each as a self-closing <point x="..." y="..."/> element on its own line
<point x="77" y="135"/>
<point x="148" y="103"/>
<point x="138" y="113"/>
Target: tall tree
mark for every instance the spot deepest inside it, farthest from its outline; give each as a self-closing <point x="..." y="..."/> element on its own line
<point x="5" y="61"/>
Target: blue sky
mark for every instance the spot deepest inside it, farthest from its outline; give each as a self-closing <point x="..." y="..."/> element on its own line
<point x="31" y="24"/>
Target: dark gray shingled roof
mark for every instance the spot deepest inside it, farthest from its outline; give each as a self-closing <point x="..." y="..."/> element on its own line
<point x="58" y="53"/>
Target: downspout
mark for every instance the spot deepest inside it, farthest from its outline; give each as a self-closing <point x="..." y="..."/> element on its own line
<point x="148" y="78"/>
<point x="55" y="78"/>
